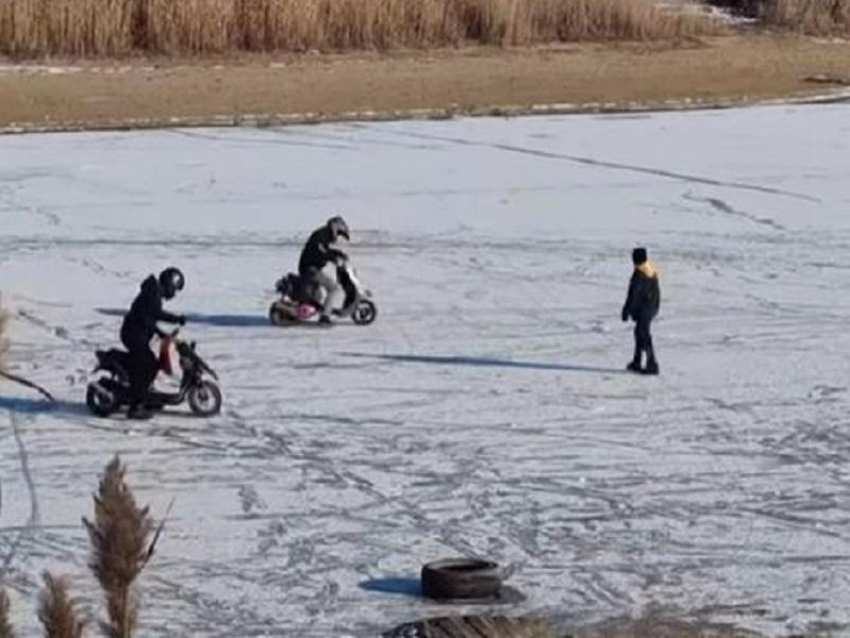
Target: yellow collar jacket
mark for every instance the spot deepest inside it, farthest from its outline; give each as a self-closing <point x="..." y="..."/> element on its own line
<point x="644" y="297"/>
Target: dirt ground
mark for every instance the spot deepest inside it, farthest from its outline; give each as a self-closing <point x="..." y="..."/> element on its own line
<point x="57" y="95"/>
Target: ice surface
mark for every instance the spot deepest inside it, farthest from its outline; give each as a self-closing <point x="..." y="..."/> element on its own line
<point x="485" y="411"/>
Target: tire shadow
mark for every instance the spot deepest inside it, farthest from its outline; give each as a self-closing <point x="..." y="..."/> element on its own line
<point x="398" y="586"/>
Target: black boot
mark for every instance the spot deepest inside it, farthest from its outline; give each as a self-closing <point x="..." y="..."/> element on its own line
<point x="651" y="367"/>
<point x="139" y="412"/>
<point x="634" y="365"/>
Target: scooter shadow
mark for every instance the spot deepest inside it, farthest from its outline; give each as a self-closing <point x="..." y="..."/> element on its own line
<point x="219" y="321"/>
<point x="35" y="406"/>
<point x="485" y="362"/>
<point x="111" y="312"/>
<point x="229" y="321"/>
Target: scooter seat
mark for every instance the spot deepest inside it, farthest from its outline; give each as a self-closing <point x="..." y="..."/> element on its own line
<point x="113" y="357"/>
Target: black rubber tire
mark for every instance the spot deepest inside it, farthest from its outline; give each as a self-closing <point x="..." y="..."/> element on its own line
<point x="364" y="313"/>
<point x="461" y="579"/>
<point x="205" y="399"/>
<point x="276" y="316"/>
<point x="98" y="404"/>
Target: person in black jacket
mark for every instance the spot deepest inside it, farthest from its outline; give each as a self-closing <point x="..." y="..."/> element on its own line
<point x="642" y="305"/>
<point x="139" y="328"/>
<point x="316" y="255"/>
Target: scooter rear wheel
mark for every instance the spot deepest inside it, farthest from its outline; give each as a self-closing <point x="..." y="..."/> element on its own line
<point x="204" y="399"/>
<point x="364" y="313"/>
<point x="277" y="316"/>
<point x="100" y="401"/>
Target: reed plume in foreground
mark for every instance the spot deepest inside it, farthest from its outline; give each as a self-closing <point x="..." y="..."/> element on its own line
<point x="5" y="625"/>
<point x="57" y="611"/>
<point x="119" y="537"/>
<point x="4" y="341"/>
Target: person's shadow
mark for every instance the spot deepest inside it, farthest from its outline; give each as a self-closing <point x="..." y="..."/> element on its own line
<point x="485" y="362"/>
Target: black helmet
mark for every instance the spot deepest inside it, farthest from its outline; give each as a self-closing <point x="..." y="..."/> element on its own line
<point x="171" y="281"/>
<point x="338" y="228"/>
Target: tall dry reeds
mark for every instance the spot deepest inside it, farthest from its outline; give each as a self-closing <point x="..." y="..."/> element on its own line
<point x="120" y="27"/>
<point x="65" y="27"/>
<point x="57" y="610"/>
<point x="119" y="537"/>
<point x="819" y="17"/>
<point x="6" y="630"/>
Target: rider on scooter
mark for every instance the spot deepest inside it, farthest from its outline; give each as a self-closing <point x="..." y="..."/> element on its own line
<point x="139" y="328"/>
<point x="316" y="255"/>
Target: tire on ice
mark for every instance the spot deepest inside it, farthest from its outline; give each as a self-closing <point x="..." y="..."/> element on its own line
<point x="276" y="315"/>
<point x="100" y="400"/>
<point x="461" y="579"/>
<point x="364" y="313"/>
<point x="204" y="399"/>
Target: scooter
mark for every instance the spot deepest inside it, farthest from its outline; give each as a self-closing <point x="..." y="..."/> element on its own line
<point x="300" y="302"/>
<point x="111" y="390"/>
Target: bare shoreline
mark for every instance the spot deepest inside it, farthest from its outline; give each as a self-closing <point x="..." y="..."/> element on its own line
<point x="712" y="72"/>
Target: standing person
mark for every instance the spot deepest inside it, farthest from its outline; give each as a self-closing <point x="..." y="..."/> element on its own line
<point x="642" y="305"/>
<point x="138" y="329"/>
<point x="316" y="255"/>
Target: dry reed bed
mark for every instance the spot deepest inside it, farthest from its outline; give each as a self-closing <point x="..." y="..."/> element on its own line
<point x="121" y="27"/>
<point x="819" y="17"/>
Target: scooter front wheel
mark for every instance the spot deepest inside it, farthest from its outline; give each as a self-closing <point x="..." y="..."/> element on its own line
<point x="101" y="401"/>
<point x="204" y="399"/>
<point x="364" y="313"/>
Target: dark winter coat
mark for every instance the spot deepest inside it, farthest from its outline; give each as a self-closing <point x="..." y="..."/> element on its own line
<point x="318" y="252"/>
<point x="644" y="298"/>
<point x="140" y="323"/>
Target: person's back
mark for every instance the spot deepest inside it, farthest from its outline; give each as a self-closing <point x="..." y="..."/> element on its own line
<point x="645" y="292"/>
<point x="317" y="253"/>
<point x="139" y="327"/>
<point x="140" y="321"/>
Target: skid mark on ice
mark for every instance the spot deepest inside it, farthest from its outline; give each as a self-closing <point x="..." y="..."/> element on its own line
<point x="588" y="161"/>
<point x="353" y="138"/>
<point x="7" y="197"/>
<point x="242" y="140"/>
<point x="721" y="206"/>
<point x="28" y="528"/>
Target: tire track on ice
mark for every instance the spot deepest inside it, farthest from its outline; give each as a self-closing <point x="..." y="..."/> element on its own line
<point x="619" y="166"/>
<point x="722" y="207"/>
<point x="277" y="444"/>
<point x="25" y="532"/>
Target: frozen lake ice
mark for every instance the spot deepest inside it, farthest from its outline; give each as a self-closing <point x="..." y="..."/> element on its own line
<point x="485" y="412"/>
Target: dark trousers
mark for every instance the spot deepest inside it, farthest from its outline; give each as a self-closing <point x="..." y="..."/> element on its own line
<point x="643" y="340"/>
<point x="143" y="368"/>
